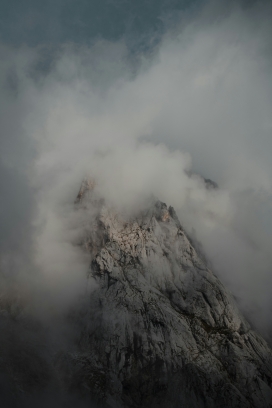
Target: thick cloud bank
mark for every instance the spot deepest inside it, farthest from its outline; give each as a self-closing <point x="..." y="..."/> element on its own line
<point x="198" y="105"/>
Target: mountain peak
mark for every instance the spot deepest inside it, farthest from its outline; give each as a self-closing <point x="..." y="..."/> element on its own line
<point x="162" y="330"/>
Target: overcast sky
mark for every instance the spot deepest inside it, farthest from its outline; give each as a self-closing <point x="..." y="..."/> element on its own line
<point x="139" y="95"/>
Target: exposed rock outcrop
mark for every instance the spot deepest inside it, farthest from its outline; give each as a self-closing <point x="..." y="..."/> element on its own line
<point x="160" y="329"/>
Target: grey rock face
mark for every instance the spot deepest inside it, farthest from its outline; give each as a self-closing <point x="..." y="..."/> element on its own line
<point x="160" y="330"/>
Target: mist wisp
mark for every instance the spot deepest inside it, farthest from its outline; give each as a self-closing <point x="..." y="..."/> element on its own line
<point x="198" y="106"/>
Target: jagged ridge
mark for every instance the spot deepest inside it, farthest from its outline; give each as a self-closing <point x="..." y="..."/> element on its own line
<point x="160" y="329"/>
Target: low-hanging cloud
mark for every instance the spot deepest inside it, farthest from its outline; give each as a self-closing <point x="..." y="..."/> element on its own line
<point x="200" y="104"/>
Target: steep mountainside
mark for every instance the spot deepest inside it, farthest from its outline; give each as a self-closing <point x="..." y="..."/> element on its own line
<point x="159" y="329"/>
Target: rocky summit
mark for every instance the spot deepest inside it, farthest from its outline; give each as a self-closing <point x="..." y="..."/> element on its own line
<point x="158" y="328"/>
<point x="154" y="329"/>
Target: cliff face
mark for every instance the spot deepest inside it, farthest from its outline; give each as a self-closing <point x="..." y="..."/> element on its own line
<point x="159" y="329"/>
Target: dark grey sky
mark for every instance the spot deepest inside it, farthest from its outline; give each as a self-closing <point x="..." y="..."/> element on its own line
<point x="57" y="21"/>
